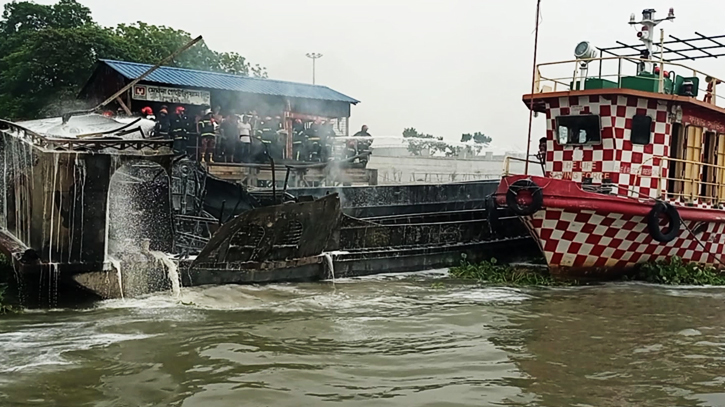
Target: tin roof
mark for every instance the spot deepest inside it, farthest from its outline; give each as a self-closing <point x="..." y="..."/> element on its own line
<point x="212" y="80"/>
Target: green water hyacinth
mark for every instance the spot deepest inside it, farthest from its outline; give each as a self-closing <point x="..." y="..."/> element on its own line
<point x="677" y="272"/>
<point x="491" y="272"/>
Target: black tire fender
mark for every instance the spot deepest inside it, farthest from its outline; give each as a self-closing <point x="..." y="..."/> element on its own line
<point x="673" y="227"/>
<point x="537" y="197"/>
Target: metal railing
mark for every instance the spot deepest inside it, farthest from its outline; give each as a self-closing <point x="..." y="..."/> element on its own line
<point x="507" y="165"/>
<point x="596" y="70"/>
<point x="689" y="187"/>
<point x="77" y="144"/>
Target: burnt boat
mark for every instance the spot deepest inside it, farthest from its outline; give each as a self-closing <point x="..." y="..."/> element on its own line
<point x="111" y="214"/>
<point x="634" y="158"/>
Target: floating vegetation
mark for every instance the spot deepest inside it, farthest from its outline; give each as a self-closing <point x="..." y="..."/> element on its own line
<point x="674" y="271"/>
<point x="493" y="273"/>
<point x="677" y="272"/>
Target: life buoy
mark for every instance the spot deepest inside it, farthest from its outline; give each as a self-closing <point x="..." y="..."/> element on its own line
<point x="492" y="214"/>
<point x="672" y="228"/>
<point x="524" y="189"/>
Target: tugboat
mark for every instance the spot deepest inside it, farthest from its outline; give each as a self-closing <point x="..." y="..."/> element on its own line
<point x="633" y="159"/>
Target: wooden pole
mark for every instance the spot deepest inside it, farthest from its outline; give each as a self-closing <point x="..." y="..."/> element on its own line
<point x="123" y="106"/>
<point x="533" y="82"/>
<point x="113" y="97"/>
<point x="149" y="72"/>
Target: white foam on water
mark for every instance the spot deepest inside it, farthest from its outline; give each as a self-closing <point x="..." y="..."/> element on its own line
<point x="172" y="271"/>
<point x="330" y="264"/>
<point x="46" y="344"/>
<point x="117" y="265"/>
<point x="426" y="274"/>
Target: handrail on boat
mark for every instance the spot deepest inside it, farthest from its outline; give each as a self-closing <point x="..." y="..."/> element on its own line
<point x="689" y="186"/>
<point x="565" y="82"/>
<point x="75" y="144"/>
<point x="507" y="163"/>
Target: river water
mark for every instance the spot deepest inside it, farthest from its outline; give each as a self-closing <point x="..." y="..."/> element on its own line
<point x="411" y="340"/>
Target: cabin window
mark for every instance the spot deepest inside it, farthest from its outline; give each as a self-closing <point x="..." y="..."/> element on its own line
<point x="641" y="129"/>
<point x="578" y="129"/>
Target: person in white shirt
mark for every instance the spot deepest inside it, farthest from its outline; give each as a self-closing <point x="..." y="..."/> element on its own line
<point x="245" y="133"/>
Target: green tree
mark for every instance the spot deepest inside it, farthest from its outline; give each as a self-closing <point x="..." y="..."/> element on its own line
<point x="418" y="142"/>
<point x="477" y="137"/>
<point x="47" y="52"/>
<point x="410" y="132"/>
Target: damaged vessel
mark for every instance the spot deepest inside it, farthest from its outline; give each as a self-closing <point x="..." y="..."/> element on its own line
<point x="93" y="209"/>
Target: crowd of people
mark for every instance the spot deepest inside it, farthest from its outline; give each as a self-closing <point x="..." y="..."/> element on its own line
<point x="243" y="138"/>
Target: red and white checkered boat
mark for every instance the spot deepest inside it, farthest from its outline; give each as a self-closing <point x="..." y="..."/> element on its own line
<point x="633" y="165"/>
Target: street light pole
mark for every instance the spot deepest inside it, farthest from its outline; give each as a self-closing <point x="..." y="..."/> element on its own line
<point x="314" y="56"/>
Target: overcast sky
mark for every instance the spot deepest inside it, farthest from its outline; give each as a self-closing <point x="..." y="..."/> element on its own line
<point x="443" y="67"/>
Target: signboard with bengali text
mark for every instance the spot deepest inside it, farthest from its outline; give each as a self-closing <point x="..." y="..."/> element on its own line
<point x="162" y="94"/>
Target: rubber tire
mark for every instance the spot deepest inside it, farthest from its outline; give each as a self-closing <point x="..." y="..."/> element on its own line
<point x="537" y="197"/>
<point x="653" y="222"/>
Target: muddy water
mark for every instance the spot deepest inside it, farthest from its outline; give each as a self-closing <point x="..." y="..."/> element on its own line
<point x="415" y="340"/>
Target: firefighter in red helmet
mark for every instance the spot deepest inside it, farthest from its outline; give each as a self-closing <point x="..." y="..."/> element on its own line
<point x="147" y="113"/>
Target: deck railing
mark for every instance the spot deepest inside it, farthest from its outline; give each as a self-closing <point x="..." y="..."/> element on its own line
<point x="135" y="146"/>
<point x="691" y="182"/>
<point x="534" y="165"/>
<point x="622" y="73"/>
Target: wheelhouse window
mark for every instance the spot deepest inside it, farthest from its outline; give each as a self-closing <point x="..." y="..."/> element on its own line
<point x="641" y="129"/>
<point x="578" y="129"/>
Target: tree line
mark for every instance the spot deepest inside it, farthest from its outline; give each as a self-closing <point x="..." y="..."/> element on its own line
<point x="48" y="52"/>
<point x="419" y="142"/>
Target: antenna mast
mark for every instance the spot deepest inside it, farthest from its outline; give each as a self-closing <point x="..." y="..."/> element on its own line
<point x="647" y="34"/>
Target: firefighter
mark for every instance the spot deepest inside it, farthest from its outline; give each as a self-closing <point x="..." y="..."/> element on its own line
<point x="207" y="133"/>
<point x="363" y="132"/>
<point x="299" y="141"/>
<point x="179" y="130"/>
<point x="327" y="136"/>
<point x="313" y="142"/>
<point x="148" y="113"/>
<point x="230" y="137"/>
<point x="267" y="134"/>
<point x="163" y="124"/>
<point x="359" y="145"/>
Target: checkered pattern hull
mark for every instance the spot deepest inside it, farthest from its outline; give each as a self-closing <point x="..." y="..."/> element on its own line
<point x="598" y="235"/>
<point x="591" y="243"/>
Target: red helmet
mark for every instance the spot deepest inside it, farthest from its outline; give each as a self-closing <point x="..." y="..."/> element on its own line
<point x="147" y="111"/>
<point x="180" y="109"/>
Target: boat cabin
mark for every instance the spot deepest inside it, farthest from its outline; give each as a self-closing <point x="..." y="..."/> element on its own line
<point x="640" y="125"/>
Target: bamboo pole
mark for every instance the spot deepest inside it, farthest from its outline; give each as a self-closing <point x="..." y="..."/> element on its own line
<point x="113" y="97"/>
<point x="533" y="79"/>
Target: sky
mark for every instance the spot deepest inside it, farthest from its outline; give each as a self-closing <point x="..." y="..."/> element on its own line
<point x="444" y="67"/>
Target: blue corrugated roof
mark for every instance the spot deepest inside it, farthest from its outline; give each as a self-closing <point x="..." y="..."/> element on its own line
<point x="212" y="80"/>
